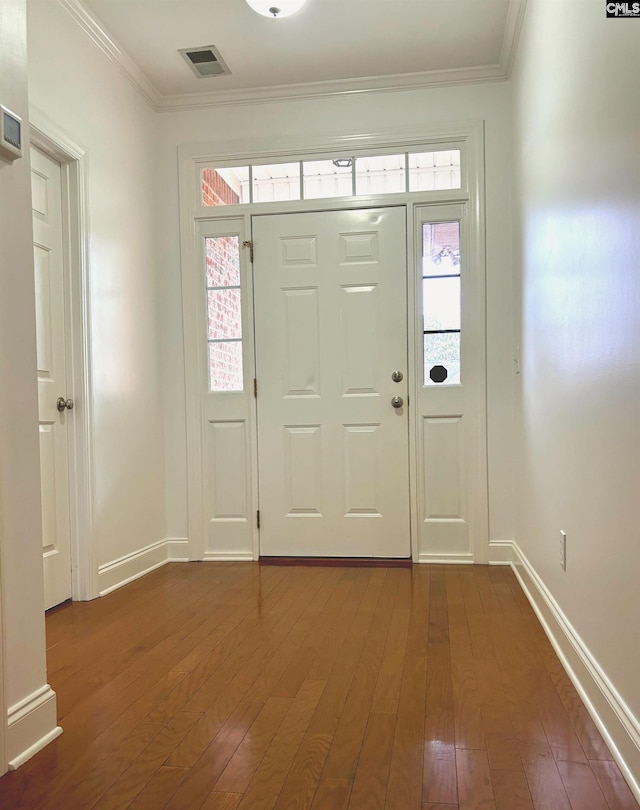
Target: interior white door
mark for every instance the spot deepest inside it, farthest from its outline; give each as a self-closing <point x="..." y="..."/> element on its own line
<point x="52" y="377"/>
<point x="331" y="330"/>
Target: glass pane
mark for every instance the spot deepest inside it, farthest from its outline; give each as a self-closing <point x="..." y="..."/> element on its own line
<point x="224" y="314"/>
<point x="323" y="178"/>
<point x="441" y="303"/>
<point x="434" y="171"/>
<point x="228" y="186"/>
<point x="223" y="261"/>
<point x="279" y="181"/>
<point x="384" y="174"/>
<point x="441" y="248"/>
<point x="225" y="366"/>
<point x="442" y="359"/>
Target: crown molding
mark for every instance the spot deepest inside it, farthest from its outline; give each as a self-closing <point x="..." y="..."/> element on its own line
<point x="340" y="87"/>
<point x="103" y="39"/>
<point x="297" y="92"/>
<point x="512" y="29"/>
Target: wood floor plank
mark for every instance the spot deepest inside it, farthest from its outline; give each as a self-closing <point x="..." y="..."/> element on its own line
<point x="432" y="806"/>
<point x="127" y="787"/>
<point x="511" y="790"/>
<point x="347" y="740"/>
<point x="405" y="774"/>
<point x="339" y="627"/>
<point x="97" y="782"/>
<point x="243" y="764"/>
<point x="370" y="784"/>
<point x="207" y="769"/>
<point x="500" y="738"/>
<point x="332" y="794"/>
<point x="582" y="786"/>
<point x="475" y="788"/>
<point x="615" y="789"/>
<point x="301" y="782"/>
<point x="387" y="693"/>
<point x="545" y="785"/>
<point x="162" y="785"/>
<point x="231" y="681"/>
<point x="327" y="716"/>
<point x="439" y="781"/>
<point x="236" y="685"/>
<point x="270" y="776"/>
<point x="222" y="801"/>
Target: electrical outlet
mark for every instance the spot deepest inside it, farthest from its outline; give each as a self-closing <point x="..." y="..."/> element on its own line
<point x="563" y="550"/>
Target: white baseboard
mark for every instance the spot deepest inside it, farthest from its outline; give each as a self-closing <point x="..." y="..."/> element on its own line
<point x="447" y="559"/>
<point x="32" y="723"/>
<point x="132" y="566"/>
<point x="228" y="556"/>
<point x="500" y="552"/>
<point x="617" y="724"/>
<point x="178" y="549"/>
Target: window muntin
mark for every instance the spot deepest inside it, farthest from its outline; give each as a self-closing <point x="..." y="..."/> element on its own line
<point x="441" y="302"/>
<point x="342" y="176"/>
<point x="224" y="313"/>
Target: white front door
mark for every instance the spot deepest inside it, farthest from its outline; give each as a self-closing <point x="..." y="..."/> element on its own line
<point x="331" y="330"/>
<point x="46" y="189"/>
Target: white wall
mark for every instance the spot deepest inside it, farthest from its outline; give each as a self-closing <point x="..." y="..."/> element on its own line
<point x="577" y="121"/>
<point x="72" y="83"/>
<point x="312" y="120"/>
<point x="21" y="583"/>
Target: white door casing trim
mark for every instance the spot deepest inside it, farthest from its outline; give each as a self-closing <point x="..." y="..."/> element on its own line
<point x="73" y="161"/>
<point x="469" y="137"/>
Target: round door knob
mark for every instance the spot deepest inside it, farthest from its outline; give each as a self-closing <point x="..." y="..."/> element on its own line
<point x="64" y="404"/>
<point x="397" y="402"/>
<point x="397" y="376"/>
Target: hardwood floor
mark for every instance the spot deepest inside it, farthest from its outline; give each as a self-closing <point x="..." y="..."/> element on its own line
<point x="236" y="686"/>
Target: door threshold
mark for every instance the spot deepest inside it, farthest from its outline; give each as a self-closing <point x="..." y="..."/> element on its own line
<point x="340" y="562"/>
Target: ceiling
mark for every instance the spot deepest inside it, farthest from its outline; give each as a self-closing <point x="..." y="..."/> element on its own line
<point x="330" y="46"/>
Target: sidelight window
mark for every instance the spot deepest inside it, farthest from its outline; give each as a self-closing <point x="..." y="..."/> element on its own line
<point x="441" y="302"/>
<point x="224" y="313"/>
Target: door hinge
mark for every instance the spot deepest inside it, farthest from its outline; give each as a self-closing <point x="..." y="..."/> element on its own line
<point x="249" y="243"/>
<point x="258" y="518"/>
<point x="255" y="387"/>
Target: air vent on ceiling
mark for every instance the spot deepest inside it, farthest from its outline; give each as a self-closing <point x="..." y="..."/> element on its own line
<point x="205" y="61"/>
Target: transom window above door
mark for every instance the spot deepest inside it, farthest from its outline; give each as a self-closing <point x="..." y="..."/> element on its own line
<point x="342" y="176"/>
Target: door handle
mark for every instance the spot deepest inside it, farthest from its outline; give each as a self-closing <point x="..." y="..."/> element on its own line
<point x="397" y="402"/>
<point x="64" y="404"/>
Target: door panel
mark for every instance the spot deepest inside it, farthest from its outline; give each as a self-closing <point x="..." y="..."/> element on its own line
<point x="52" y="376"/>
<point x="330" y="293"/>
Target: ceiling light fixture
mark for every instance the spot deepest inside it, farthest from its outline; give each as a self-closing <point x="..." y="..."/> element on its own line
<point x="276" y="8"/>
